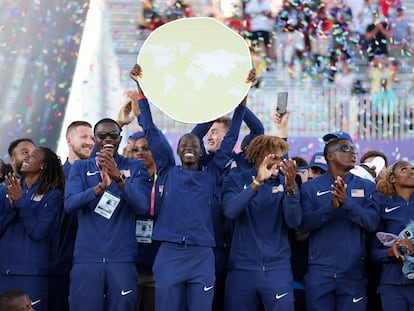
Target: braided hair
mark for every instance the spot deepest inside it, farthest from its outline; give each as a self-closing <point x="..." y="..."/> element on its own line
<point x="52" y="177"/>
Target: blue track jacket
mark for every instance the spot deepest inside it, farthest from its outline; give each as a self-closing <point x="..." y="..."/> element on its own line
<point x="337" y="242"/>
<point x="395" y="215"/>
<point x="100" y="239"/>
<point x="186" y="208"/>
<point x="222" y="225"/>
<point x="25" y="231"/>
<point x="260" y="240"/>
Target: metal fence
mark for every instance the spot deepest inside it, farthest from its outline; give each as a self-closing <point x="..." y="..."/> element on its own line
<point x="317" y="110"/>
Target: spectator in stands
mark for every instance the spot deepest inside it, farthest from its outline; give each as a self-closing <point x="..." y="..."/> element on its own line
<point x="361" y="21"/>
<point x="291" y="38"/>
<point x="259" y="263"/>
<point x="401" y="36"/>
<point x="396" y="212"/>
<point x="261" y="25"/>
<point x="15" y="300"/>
<point x="106" y="192"/>
<point x="320" y="29"/>
<point x="29" y="211"/>
<point x="341" y="15"/>
<point x="337" y="206"/>
<point x="150" y="18"/>
<point x="377" y="37"/>
<point x="344" y="86"/>
<point x="387" y="6"/>
<point x="381" y="75"/>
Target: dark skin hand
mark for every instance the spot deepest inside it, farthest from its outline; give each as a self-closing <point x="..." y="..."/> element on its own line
<point x="136" y="73"/>
<point x="14" y="188"/>
<point x="394" y="250"/>
<point x="339" y="192"/>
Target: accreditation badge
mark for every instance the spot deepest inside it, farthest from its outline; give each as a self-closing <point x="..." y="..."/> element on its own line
<point x="143" y="230"/>
<point x="107" y="205"/>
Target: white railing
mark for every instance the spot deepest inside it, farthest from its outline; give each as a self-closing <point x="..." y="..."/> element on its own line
<point x="320" y="110"/>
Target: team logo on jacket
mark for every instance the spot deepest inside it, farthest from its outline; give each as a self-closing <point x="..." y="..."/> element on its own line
<point x="89" y="173"/>
<point x="319" y="193"/>
<point x="37" y="197"/>
<point x="390" y="209"/>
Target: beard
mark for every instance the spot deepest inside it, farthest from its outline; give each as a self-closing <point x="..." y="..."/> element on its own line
<point x="82" y="153"/>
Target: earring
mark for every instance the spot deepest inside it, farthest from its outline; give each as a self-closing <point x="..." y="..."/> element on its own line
<point x="41" y="167"/>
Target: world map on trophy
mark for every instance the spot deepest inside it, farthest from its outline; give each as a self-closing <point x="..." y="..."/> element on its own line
<point x="195" y="69"/>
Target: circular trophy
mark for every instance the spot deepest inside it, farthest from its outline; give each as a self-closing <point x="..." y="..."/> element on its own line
<point x="195" y="69"/>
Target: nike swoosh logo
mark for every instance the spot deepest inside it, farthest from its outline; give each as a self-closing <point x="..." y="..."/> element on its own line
<point x="123" y="293"/>
<point x="355" y="300"/>
<point x="319" y="193"/>
<point x="281" y="296"/>
<point x="206" y="289"/>
<point x="36" y="302"/>
<point x="91" y="173"/>
<point x="390" y="209"/>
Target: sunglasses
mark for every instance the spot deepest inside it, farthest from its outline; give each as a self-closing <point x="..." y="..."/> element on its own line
<point x="143" y="149"/>
<point x="112" y="135"/>
<point x="346" y="148"/>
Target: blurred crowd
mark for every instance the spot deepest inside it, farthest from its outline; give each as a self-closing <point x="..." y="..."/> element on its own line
<point x="314" y="38"/>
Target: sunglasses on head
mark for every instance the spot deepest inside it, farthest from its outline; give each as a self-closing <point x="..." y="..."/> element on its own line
<point x="345" y="148"/>
<point x="112" y="135"/>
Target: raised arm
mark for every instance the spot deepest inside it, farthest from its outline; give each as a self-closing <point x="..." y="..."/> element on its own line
<point x="160" y="148"/>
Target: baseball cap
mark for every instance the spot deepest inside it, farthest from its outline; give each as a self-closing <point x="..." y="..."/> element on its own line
<point x="363" y="173"/>
<point x="318" y="160"/>
<point x="137" y="135"/>
<point x="334" y="135"/>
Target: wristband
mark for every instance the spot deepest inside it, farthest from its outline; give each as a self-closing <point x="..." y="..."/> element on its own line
<point x="257" y="183"/>
<point x="141" y="96"/>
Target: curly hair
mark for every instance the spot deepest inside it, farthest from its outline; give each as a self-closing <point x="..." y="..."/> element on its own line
<point x="52" y="176"/>
<point x="262" y="145"/>
<point x="385" y="186"/>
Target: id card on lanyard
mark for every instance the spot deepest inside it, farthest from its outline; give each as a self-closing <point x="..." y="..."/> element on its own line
<point x="108" y="202"/>
<point x="107" y="205"/>
<point x="144" y="228"/>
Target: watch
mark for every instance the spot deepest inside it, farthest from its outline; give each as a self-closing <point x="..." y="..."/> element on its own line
<point x="292" y="191"/>
<point x="121" y="178"/>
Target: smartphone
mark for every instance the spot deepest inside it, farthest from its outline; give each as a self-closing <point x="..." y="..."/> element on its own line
<point x="282" y="98"/>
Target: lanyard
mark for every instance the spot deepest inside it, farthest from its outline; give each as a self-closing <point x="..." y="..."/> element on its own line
<point x="99" y="168"/>
<point x="152" y="204"/>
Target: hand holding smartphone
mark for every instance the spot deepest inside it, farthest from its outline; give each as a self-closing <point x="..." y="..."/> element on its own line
<point x="282" y="98"/>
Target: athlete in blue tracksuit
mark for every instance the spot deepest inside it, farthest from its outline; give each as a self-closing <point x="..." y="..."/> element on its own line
<point x="257" y="200"/>
<point x="62" y="242"/>
<point x="184" y="266"/>
<point x="396" y="212"/>
<point x="26" y="226"/>
<point x="338" y="210"/>
<point x="106" y="192"/>
<point x="222" y="225"/>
